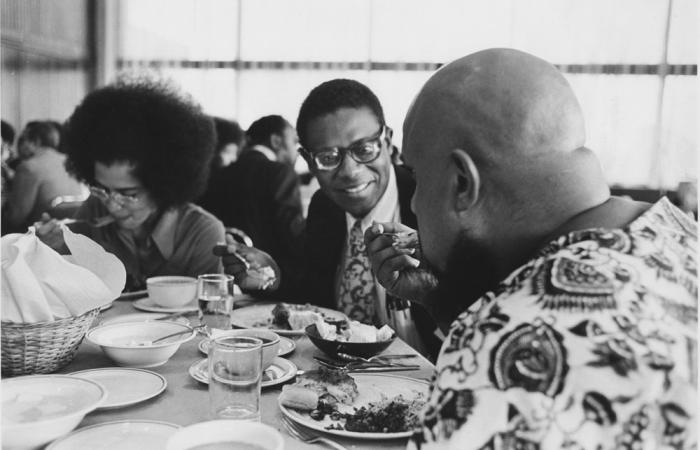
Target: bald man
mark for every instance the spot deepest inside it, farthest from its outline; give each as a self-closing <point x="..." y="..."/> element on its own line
<point x="578" y="310"/>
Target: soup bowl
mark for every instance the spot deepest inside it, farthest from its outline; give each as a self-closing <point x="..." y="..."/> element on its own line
<point x="129" y="344"/>
<point x="37" y="409"/>
<point x="270" y="340"/>
<point x="171" y="291"/>
<point x="226" y="434"/>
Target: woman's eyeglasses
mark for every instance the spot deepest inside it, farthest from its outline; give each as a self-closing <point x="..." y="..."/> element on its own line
<point x="363" y="152"/>
<point x="117" y="197"/>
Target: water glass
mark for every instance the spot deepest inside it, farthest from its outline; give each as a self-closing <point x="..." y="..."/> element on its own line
<point x="235" y="375"/>
<point x="215" y="300"/>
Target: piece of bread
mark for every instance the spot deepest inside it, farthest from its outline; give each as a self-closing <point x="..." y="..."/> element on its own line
<point x="300" y="398"/>
<point x="360" y="332"/>
<point x="298" y="320"/>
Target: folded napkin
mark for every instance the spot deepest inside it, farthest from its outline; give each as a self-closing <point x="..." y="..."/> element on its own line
<point x="38" y="284"/>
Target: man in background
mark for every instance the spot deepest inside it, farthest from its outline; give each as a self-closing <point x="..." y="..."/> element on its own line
<point x="578" y="324"/>
<point x="259" y="193"/>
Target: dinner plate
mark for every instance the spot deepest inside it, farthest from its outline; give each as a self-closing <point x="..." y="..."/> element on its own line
<point x="260" y="316"/>
<point x="143" y="317"/>
<point x="279" y="371"/>
<point x="125" y="386"/>
<point x="371" y="388"/>
<point x="286" y="347"/>
<point x="146" y="304"/>
<point x="118" y="435"/>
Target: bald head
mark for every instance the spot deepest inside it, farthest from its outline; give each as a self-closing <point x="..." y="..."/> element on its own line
<point x="505" y="103"/>
<point x="506" y="134"/>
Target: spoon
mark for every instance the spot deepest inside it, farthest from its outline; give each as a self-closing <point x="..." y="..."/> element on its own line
<point x="161" y="339"/>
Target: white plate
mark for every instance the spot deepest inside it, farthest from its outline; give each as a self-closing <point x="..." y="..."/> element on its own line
<point x="260" y="316"/>
<point x="371" y="388"/>
<point x="143" y="317"/>
<point x="286" y="347"/>
<point x="125" y="386"/>
<point x="279" y="371"/>
<point x="118" y="435"/>
<point x="146" y="304"/>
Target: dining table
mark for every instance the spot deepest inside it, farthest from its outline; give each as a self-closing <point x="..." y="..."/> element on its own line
<point x="185" y="401"/>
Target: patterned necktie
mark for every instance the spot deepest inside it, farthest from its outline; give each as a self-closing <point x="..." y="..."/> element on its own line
<point x="357" y="297"/>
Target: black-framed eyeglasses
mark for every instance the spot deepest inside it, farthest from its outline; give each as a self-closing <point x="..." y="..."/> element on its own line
<point x="364" y="151"/>
<point x="119" y="198"/>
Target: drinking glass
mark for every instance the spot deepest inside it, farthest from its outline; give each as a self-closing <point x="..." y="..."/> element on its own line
<point x="235" y="374"/>
<point x="215" y="300"/>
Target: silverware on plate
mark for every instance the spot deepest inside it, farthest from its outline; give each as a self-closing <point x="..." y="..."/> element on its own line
<point x="298" y="432"/>
<point x="361" y="366"/>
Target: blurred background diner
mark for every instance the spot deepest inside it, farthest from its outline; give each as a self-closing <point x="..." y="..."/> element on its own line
<point x="632" y="64"/>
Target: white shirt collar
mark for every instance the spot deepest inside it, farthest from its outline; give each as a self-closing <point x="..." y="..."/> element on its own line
<point x="269" y="154"/>
<point x="386" y="209"/>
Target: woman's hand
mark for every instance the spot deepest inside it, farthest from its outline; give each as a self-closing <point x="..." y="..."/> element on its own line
<point x="394" y="251"/>
<point x="252" y="269"/>
<point x="49" y="231"/>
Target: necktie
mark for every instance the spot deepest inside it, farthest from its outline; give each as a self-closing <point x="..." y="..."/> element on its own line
<point x="357" y="297"/>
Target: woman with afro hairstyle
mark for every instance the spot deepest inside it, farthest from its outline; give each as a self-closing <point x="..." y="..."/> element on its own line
<point x="144" y="149"/>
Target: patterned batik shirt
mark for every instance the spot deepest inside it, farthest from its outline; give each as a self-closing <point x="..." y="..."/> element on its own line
<point x="591" y="345"/>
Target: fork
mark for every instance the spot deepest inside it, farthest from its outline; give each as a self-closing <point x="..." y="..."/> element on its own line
<point x="297" y="432"/>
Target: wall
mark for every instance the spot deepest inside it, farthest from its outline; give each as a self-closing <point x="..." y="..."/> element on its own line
<point x="46" y="58"/>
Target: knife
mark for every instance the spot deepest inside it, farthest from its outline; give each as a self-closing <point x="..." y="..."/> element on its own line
<point x="368" y="369"/>
<point x="362" y="366"/>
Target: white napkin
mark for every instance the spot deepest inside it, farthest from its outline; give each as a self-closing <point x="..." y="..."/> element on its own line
<point x="40" y="285"/>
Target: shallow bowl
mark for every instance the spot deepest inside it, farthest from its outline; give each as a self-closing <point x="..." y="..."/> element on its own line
<point x="271" y="342"/>
<point x="171" y="291"/>
<point x="332" y="348"/>
<point x="37" y="409"/>
<point x="224" y="432"/>
<point x="122" y="342"/>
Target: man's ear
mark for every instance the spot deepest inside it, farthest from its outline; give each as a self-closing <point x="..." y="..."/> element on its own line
<point x="275" y="142"/>
<point x="468" y="179"/>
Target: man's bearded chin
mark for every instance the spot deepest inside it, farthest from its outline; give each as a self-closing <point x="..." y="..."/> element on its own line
<point x="469" y="274"/>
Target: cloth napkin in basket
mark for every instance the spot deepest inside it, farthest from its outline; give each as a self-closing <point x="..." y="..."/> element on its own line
<point x="38" y="284"/>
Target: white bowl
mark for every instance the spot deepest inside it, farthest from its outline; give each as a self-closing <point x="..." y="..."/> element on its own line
<point x="122" y="342"/>
<point x="271" y="342"/>
<point x="226" y="431"/>
<point x="171" y="291"/>
<point x="37" y="409"/>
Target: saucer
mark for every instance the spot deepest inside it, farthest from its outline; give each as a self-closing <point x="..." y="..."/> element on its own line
<point x="146" y="304"/>
<point x="286" y="347"/>
<point x="280" y="370"/>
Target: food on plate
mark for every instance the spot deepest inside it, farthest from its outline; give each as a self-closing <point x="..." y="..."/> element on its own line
<point x="388" y="415"/>
<point x="330" y="387"/>
<point x="300" y="398"/>
<point x="287" y="316"/>
<point x="353" y="331"/>
<point x="332" y="393"/>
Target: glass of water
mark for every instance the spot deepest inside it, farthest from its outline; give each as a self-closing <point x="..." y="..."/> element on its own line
<point x="215" y="300"/>
<point x="235" y="374"/>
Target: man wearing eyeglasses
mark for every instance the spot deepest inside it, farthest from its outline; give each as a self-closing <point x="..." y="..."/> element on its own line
<point x="347" y="145"/>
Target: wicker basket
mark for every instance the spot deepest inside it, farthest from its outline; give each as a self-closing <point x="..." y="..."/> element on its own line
<point x="42" y="347"/>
